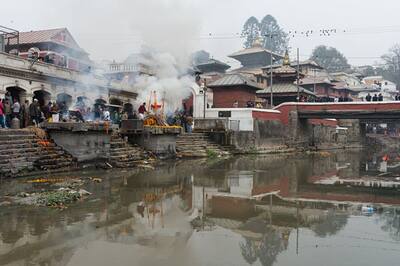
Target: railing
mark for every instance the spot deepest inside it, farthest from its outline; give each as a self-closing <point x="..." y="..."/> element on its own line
<point x="120" y="67"/>
<point x="19" y="63"/>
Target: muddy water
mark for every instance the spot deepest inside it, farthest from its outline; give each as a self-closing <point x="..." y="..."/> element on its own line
<point x="322" y="209"/>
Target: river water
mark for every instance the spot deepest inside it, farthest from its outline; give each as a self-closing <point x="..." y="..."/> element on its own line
<point x="339" y="208"/>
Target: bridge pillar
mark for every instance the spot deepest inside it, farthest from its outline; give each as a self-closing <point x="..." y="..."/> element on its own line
<point x="353" y="134"/>
<point x="298" y="130"/>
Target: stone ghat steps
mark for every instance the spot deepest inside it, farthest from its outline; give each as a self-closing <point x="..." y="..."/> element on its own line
<point x="123" y="154"/>
<point x="197" y="145"/>
<point x="23" y="152"/>
<point x="6" y="132"/>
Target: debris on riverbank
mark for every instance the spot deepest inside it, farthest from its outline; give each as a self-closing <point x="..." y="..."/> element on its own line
<point x="54" y="192"/>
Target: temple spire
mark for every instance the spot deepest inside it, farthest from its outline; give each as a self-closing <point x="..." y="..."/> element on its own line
<point x="257" y="42"/>
<point x="286" y="60"/>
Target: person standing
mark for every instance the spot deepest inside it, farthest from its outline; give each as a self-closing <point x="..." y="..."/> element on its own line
<point x="380" y="97"/>
<point x="375" y="98"/>
<point x="34" y="112"/>
<point x="142" y="110"/>
<point x="7" y="112"/>
<point x="9" y="98"/>
<point x="55" y="113"/>
<point x="368" y="97"/>
<point x="2" y="124"/>
<point x="25" y="114"/>
<point x="16" y="108"/>
<point x="106" y="115"/>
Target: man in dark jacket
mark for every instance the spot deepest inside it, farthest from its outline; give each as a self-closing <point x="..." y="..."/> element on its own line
<point x="34" y="112"/>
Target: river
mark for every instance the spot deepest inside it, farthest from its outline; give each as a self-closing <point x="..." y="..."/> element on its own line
<point x="328" y="208"/>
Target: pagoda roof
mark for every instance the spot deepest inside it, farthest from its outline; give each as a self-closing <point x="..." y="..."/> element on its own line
<point x="286" y="87"/>
<point x="235" y="79"/>
<point x="214" y="62"/>
<point x="254" y="50"/>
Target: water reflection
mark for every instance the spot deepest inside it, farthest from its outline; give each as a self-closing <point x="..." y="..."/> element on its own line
<point x="267" y="206"/>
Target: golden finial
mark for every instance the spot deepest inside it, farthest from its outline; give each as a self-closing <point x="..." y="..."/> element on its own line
<point x="286" y="60"/>
<point x="258" y="42"/>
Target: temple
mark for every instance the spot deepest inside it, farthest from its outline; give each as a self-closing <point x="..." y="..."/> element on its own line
<point x="283" y="87"/>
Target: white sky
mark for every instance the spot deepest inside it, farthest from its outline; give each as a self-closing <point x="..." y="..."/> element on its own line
<point x="110" y="29"/>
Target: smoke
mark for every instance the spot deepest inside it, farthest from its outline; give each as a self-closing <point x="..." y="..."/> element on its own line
<point x="115" y="29"/>
<point x="170" y="81"/>
<point x="168" y="29"/>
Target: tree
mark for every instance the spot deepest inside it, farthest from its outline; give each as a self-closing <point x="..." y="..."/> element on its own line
<point x="391" y="69"/>
<point x="274" y="38"/>
<point x="251" y="31"/>
<point x="330" y="58"/>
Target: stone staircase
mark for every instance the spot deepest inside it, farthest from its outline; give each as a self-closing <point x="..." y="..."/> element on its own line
<point x="22" y="151"/>
<point x="124" y="154"/>
<point x="199" y="145"/>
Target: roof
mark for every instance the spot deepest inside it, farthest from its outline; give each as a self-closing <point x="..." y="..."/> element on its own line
<point x="308" y="62"/>
<point x="40" y="36"/>
<point x="253" y="50"/>
<point x="214" y="62"/>
<point x="294" y="64"/>
<point x="248" y="70"/>
<point x="284" y="88"/>
<point x="340" y="85"/>
<point x="316" y="80"/>
<point x="234" y="80"/>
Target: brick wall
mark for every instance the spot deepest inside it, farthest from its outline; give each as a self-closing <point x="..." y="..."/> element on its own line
<point x="224" y="97"/>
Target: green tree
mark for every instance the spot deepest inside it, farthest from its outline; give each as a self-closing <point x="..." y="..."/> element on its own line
<point x="251" y="31"/>
<point x="274" y="38"/>
<point x="330" y="58"/>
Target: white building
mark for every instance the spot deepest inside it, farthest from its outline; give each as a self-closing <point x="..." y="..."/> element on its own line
<point x="24" y="79"/>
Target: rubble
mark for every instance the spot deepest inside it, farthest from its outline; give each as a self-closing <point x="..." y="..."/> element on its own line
<point x="58" y="198"/>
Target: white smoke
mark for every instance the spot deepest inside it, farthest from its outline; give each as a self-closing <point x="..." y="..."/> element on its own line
<point x="168" y="29"/>
<point x="170" y="81"/>
<point x="115" y="29"/>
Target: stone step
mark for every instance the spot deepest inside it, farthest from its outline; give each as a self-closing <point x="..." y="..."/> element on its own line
<point x="124" y="157"/>
<point x="54" y="161"/>
<point x="20" y="154"/>
<point x="54" y="155"/>
<point x="130" y="153"/>
<point x="16" y="151"/>
<point x="15" y="132"/>
<point x="18" y="145"/>
<point x="16" y="136"/>
<point x="15" y="163"/>
<point x="58" y="165"/>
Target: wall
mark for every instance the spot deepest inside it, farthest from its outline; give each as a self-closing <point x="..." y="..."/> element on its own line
<point x="245" y="116"/>
<point x="160" y="144"/>
<point x="224" y="97"/>
<point x="85" y="146"/>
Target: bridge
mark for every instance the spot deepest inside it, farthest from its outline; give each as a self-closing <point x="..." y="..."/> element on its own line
<point x="364" y="111"/>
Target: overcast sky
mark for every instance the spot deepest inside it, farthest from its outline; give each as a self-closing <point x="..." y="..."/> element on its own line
<point x="111" y="29"/>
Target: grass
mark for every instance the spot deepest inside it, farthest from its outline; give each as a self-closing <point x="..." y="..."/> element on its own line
<point x="211" y="153"/>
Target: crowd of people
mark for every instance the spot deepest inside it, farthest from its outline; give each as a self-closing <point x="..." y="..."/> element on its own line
<point x="375" y="98"/>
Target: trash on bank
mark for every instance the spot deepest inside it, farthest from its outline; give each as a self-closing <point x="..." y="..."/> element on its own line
<point x="58" y="198"/>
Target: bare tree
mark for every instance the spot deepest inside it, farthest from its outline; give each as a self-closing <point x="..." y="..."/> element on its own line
<point x="391" y="69"/>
